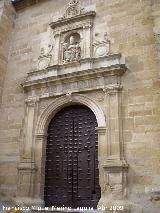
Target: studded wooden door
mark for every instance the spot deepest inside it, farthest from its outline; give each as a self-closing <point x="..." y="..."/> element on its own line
<point x="71" y="171"/>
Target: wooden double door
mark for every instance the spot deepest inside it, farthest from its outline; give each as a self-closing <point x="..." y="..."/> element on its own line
<point x="71" y="170"/>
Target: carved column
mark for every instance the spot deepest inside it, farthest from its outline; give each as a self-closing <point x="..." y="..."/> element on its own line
<point x="40" y="153"/>
<point x="87" y="40"/>
<point x="56" y="48"/>
<point x="114" y="120"/>
<point x="114" y="166"/>
<point x="27" y="167"/>
<point x="102" y="150"/>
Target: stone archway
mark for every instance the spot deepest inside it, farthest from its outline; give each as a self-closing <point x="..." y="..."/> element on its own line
<point x="112" y="165"/>
<point x="42" y="126"/>
<point x="66" y="100"/>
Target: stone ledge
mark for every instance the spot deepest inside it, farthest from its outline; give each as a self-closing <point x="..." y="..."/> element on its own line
<point x="112" y="65"/>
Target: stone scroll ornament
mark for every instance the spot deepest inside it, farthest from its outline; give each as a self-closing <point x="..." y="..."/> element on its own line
<point x="45" y="57"/>
<point x="102" y="48"/>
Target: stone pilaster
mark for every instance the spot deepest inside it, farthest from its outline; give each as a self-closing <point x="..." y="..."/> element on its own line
<point x="27" y="167"/>
<point x="40" y="153"/>
<point x="114" y="166"/>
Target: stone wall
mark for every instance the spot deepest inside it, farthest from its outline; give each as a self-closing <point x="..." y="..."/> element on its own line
<point x="133" y="27"/>
<point x="7" y="16"/>
<point x="7" y="177"/>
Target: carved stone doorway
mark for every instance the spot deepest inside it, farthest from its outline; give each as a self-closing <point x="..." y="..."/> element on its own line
<point x="71" y="171"/>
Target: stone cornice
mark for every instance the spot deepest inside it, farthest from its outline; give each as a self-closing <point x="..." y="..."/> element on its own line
<point x="64" y="21"/>
<point x="111" y="66"/>
<point x="113" y="70"/>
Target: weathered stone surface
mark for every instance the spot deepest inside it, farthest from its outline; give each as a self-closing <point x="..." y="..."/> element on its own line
<point x="133" y="27"/>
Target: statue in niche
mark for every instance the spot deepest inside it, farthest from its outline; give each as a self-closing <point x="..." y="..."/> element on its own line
<point x="71" y="49"/>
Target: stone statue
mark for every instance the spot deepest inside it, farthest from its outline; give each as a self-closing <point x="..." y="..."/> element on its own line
<point x="72" y="50"/>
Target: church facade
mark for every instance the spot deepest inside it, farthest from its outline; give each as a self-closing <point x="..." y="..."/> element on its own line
<point x="79" y="104"/>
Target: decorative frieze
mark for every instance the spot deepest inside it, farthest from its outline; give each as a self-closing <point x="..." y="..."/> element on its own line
<point x="111" y="65"/>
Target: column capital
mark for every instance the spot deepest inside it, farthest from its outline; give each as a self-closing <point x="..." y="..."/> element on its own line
<point x="31" y="101"/>
<point x="112" y="88"/>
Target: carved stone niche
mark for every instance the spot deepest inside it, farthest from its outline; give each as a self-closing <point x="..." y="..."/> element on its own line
<point x="71" y="48"/>
<point x="73" y="34"/>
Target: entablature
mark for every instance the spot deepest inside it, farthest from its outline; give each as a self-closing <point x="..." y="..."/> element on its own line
<point x="112" y="65"/>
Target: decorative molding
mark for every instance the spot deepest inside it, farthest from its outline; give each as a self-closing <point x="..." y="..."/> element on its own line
<point x="27" y="166"/>
<point x="31" y="101"/>
<point x="101" y="130"/>
<point x="114" y="164"/>
<point x="86" y="68"/>
<point x="59" y="103"/>
<point x="64" y="21"/>
<point x="112" y="88"/>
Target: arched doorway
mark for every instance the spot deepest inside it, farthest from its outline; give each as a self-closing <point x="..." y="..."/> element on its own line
<point x="71" y="170"/>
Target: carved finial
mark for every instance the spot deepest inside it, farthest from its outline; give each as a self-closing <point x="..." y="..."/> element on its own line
<point x="73" y="9"/>
<point x="73" y="2"/>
